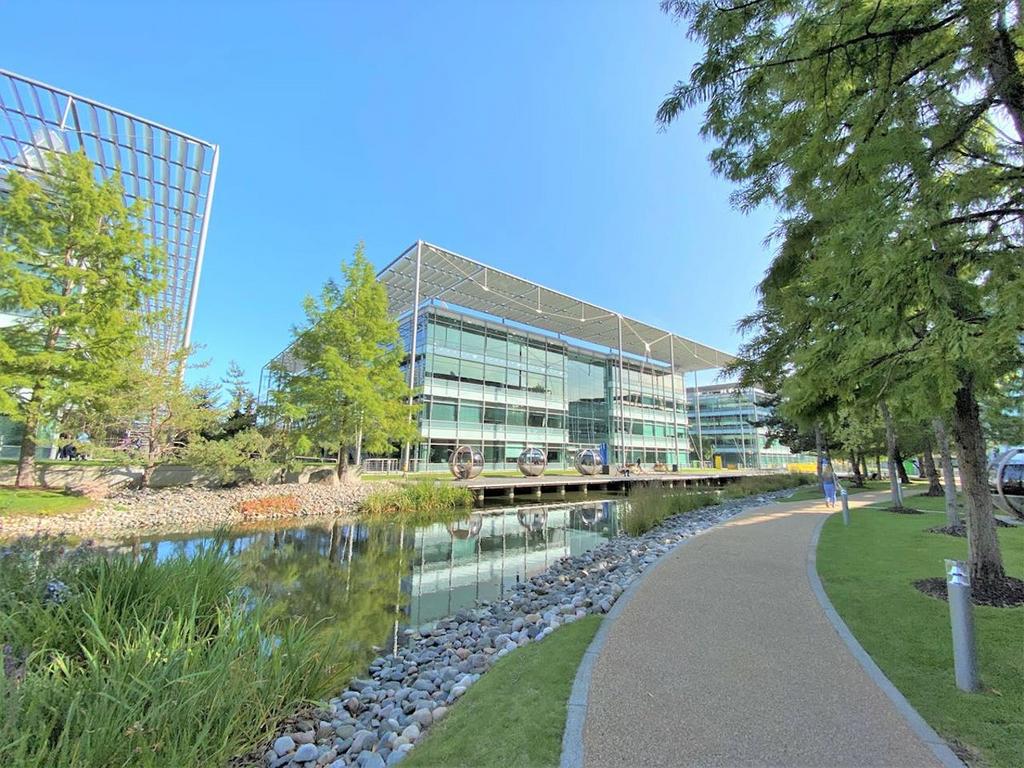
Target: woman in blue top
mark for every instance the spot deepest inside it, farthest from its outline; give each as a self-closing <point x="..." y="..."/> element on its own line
<point x="828" y="484"/>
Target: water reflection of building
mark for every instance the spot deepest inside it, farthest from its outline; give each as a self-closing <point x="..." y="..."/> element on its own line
<point x="453" y="571"/>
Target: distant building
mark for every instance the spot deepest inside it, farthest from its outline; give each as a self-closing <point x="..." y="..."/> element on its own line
<point x="172" y="172"/>
<point x="729" y="419"/>
<point x="502" y="363"/>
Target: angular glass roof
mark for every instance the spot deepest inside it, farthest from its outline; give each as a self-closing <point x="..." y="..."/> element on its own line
<point x="447" y="277"/>
<point x="171" y="172"/>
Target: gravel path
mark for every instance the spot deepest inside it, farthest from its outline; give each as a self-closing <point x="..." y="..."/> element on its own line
<point x="723" y="656"/>
<point x="184" y="509"/>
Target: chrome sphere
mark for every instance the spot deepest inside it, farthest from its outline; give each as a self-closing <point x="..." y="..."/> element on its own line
<point x="466" y="462"/>
<point x="1006" y="481"/>
<point x="473" y="524"/>
<point x="532" y="462"/>
<point x="532" y="520"/>
<point x="587" y="461"/>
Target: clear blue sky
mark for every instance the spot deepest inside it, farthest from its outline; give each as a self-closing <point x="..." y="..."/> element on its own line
<point x="519" y="134"/>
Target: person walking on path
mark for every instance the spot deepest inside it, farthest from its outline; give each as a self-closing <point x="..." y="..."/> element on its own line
<point x="828" y="484"/>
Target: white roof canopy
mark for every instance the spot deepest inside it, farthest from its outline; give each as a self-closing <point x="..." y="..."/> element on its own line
<point x="457" y="280"/>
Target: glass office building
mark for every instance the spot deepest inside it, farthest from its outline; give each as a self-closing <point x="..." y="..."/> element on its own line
<point x="732" y="428"/>
<point x="502" y="363"/>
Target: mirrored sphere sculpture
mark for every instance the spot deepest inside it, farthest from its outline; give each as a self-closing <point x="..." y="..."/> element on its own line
<point x="588" y="461"/>
<point x="532" y="462"/>
<point x="532" y="519"/>
<point x="466" y="462"/>
<point x="1006" y="481"/>
<point x="466" y="529"/>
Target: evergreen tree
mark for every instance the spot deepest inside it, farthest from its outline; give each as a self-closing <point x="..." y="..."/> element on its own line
<point x="342" y="387"/>
<point x="75" y="269"/>
<point x="889" y="135"/>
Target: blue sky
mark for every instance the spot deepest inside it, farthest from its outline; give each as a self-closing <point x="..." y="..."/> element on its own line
<point x="519" y="134"/>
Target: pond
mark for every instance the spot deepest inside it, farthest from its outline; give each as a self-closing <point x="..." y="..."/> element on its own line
<point x="367" y="583"/>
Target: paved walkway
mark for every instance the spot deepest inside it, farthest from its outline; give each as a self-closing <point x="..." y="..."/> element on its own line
<point x="724" y="657"/>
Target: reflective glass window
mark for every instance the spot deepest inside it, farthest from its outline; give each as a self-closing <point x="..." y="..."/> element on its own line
<point x="494" y="415"/>
<point x="516" y="416"/>
<point x="470" y="413"/>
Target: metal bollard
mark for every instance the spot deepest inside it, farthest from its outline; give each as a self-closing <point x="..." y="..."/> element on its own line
<point x="844" y="497"/>
<point x="961" y="617"/>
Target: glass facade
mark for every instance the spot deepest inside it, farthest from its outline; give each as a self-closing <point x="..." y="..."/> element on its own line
<point x="501" y="389"/>
<point x="729" y="421"/>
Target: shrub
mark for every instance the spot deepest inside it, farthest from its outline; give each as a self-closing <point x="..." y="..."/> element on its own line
<point x="268" y="506"/>
<point x="423" y="501"/>
<point x="146" y="664"/>
<point x="245" y="457"/>
<point x="650" y="505"/>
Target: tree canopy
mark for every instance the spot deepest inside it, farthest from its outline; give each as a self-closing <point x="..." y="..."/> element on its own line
<point x="76" y="271"/>
<point x="341" y="385"/>
<point x="889" y="137"/>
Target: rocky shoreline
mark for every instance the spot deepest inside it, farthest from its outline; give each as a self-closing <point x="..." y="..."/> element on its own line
<point x="134" y="512"/>
<point x="378" y="719"/>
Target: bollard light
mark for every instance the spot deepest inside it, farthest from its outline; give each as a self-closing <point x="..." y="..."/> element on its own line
<point x="844" y="498"/>
<point x="961" y="617"/>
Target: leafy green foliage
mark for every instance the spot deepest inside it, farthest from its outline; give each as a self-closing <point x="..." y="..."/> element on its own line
<point x="343" y="386"/>
<point x="417" y="503"/>
<point x="244" y="457"/>
<point x="145" y="663"/>
<point x="75" y="267"/>
<point x="889" y="136"/>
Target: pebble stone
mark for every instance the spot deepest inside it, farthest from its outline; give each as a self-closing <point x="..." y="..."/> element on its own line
<point x="380" y="717"/>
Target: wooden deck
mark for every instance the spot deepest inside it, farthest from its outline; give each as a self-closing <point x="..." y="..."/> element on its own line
<point x="511" y="487"/>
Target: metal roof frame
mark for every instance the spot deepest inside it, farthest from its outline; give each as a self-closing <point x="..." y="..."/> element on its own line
<point x="426" y="273"/>
<point x="173" y="173"/>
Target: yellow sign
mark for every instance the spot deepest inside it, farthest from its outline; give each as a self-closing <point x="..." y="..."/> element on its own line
<point x="718" y="462"/>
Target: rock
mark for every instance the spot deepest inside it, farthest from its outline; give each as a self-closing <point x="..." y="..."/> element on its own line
<point x="302" y="737"/>
<point x="370" y="760"/>
<point x="412" y="732"/>
<point x="305" y="753"/>
<point x="439" y="712"/>
<point x="423" y="716"/>
<point x="284" y="745"/>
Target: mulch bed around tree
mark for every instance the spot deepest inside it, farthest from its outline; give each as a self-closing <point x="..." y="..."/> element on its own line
<point x="1007" y="593"/>
<point x="904" y="511"/>
<point x="960" y="530"/>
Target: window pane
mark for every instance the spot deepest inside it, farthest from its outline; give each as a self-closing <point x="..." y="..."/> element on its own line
<point x="442" y="411"/>
<point x="536" y="418"/>
<point x="472" y="371"/>
<point x="470" y="414"/>
<point x="556" y="420"/>
<point x="516" y="416"/>
<point x="494" y="415"/>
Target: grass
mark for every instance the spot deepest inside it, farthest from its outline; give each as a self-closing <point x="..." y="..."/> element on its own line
<point x="417" y="503"/>
<point x="649" y="506"/>
<point x="813" y="493"/>
<point x="37" y="501"/>
<point x="868" y="570"/>
<point x="514" y="716"/>
<point x="144" y="663"/>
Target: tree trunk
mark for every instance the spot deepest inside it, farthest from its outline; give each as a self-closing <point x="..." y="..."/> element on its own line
<point x="878" y="466"/>
<point x="864" y="465"/>
<point x="902" y="470"/>
<point x="858" y="478"/>
<point x="27" y="456"/>
<point x="341" y="468"/>
<point x="817" y="450"/>
<point x="890" y="445"/>
<point x="928" y="466"/>
<point x="983" y="546"/>
<point x="952" y="513"/>
<point x="359" y="449"/>
<point x="922" y="470"/>
<point x="147" y="474"/>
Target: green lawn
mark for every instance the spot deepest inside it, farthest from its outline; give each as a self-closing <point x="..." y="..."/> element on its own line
<point x="811" y="492"/>
<point x="868" y="570"/>
<point x="17" y="501"/>
<point x="515" y="714"/>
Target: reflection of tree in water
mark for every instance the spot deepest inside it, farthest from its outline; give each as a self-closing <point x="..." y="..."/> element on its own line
<point x="346" y="579"/>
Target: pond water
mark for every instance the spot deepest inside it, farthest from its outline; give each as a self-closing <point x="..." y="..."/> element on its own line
<point x="366" y="583"/>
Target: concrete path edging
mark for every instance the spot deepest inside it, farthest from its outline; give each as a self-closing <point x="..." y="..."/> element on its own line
<point x="917" y="724"/>
<point x="576" y="710"/>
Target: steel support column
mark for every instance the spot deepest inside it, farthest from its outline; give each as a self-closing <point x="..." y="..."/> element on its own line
<point x="622" y="412"/>
<point x="675" y="405"/>
<point x="412" y="344"/>
<point x="700" y="434"/>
